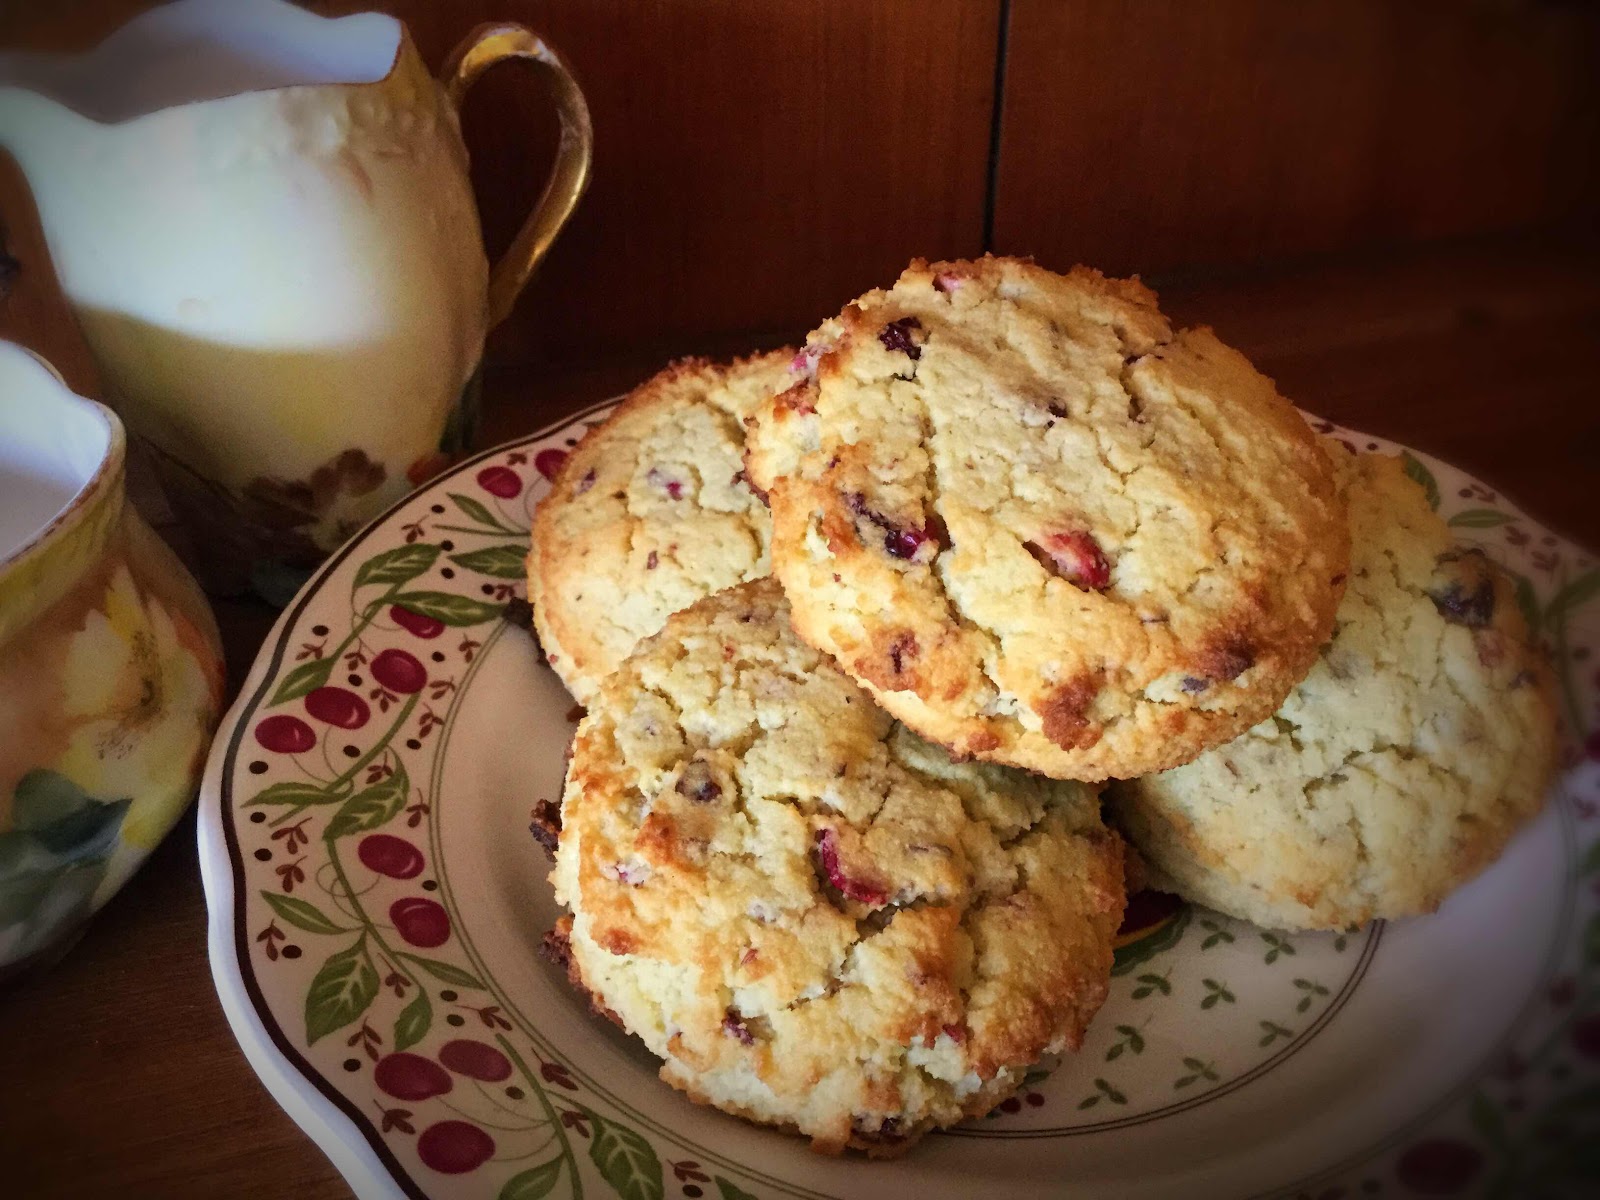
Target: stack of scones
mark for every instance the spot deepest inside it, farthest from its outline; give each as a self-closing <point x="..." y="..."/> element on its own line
<point x="888" y="643"/>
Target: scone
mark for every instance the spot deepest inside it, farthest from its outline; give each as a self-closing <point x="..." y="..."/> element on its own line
<point x="1423" y="738"/>
<point x="1043" y="528"/>
<point x="818" y="920"/>
<point x="650" y="512"/>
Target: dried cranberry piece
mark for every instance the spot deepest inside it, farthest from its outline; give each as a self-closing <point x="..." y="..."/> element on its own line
<point x="904" y="543"/>
<point x="658" y="478"/>
<point x="584" y="484"/>
<point x="900" y="542"/>
<point x="1074" y="556"/>
<point x="696" y="783"/>
<point x="733" y="1025"/>
<point x="852" y="889"/>
<point x="632" y="876"/>
<point x="896" y="336"/>
<point x="1460" y="605"/>
<point x="902" y="648"/>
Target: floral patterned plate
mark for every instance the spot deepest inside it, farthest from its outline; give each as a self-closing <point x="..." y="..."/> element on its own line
<point x="377" y="906"/>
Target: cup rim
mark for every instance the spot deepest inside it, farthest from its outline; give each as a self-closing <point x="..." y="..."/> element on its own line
<point x="101" y="484"/>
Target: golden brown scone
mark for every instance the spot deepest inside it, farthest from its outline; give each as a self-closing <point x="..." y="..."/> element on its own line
<point x="650" y="512"/>
<point x="818" y="920"/>
<point x="1423" y="738"/>
<point x="1043" y="528"/>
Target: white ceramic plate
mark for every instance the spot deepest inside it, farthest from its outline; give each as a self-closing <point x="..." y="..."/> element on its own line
<point x="377" y="906"/>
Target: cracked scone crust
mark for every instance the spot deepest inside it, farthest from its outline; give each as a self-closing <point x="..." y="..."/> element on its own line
<point x="1041" y="526"/>
<point x="1423" y="738"/>
<point x="649" y="513"/>
<point x="818" y="920"/>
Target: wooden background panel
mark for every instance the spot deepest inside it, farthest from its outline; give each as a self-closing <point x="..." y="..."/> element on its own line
<point x="757" y="163"/>
<point x="1145" y="135"/>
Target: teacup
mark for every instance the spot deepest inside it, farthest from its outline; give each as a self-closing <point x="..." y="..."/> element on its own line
<point x="110" y="667"/>
<point x="264" y="223"/>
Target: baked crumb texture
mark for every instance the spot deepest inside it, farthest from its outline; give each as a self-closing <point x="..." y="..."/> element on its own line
<point x="1042" y="527"/>
<point x="817" y="919"/>
<point x="650" y="512"/>
<point x="1421" y="740"/>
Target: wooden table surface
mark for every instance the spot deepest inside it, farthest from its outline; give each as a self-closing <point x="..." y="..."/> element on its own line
<point x="118" y="1075"/>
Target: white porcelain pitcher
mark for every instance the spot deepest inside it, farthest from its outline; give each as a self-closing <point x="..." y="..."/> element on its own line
<point x="263" y="220"/>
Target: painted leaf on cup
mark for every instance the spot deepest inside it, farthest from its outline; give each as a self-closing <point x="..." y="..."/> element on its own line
<point x="64" y="819"/>
<point x="42" y="895"/>
<point x="448" y="608"/>
<point x="344" y="988"/>
<point x="53" y="860"/>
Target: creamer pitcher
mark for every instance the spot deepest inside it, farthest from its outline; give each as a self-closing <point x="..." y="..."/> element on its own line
<point x="263" y="220"/>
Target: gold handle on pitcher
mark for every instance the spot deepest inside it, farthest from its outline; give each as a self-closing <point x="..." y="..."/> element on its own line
<point x="482" y="49"/>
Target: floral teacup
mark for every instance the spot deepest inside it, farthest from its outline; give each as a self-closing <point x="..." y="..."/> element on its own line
<point x="110" y="667"/>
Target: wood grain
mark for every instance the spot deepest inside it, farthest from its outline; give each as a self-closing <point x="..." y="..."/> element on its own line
<point x="1145" y="135"/>
<point x="756" y="164"/>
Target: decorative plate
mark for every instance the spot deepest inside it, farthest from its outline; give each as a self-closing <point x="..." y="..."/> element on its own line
<point x="377" y="906"/>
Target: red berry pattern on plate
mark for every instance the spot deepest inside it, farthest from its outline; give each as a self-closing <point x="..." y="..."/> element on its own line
<point x="500" y="481"/>
<point x="338" y="706"/>
<point x="283" y="734"/>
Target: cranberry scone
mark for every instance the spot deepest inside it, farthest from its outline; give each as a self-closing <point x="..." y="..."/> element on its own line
<point x="649" y="513"/>
<point x="1420" y="742"/>
<point x="815" y="918"/>
<point x="1042" y="527"/>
